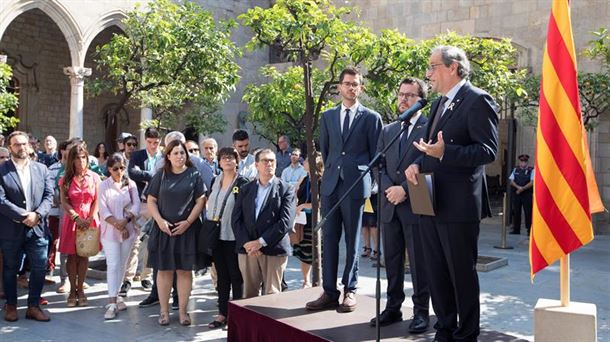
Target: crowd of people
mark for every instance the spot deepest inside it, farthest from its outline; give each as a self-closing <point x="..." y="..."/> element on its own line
<point x="163" y="213"/>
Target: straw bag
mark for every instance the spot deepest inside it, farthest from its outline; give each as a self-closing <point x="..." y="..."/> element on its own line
<point x="87" y="242"/>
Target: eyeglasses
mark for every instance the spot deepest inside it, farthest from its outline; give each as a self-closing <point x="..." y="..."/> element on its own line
<point x="267" y="161"/>
<point x="351" y="84"/>
<point x="227" y="158"/>
<point x="3" y="157"/>
<point x="193" y="150"/>
<point x="295" y="154"/>
<point x="131" y="144"/>
<point x="117" y="168"/>
<point x="431" y="67"/>
<point x="407" y="95"/>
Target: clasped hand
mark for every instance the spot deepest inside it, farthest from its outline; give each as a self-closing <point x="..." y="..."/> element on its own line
<point x="31" y="219"/>
<point x="174" y="229"/>
<point x="253" y="248"/>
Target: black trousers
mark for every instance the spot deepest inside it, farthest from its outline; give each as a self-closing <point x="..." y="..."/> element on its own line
<point x="399" y="234"/>
<point x="229" y="276"/>
<point x="522" y="200"/>
<point x="450" y="253"/>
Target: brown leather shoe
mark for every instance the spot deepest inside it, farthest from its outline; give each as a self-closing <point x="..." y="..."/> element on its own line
<point x="349" y="302"/>
<point x="36" y="314"/>
<point x="10" y="313"/>
<point x="323" y="303"/>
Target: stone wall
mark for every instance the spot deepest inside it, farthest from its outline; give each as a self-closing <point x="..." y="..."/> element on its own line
<point x="37" y="51"/>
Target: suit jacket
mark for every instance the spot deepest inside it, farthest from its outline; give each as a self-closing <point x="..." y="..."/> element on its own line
<point x="274" y="219"/>
<point x="396" y="164"/>
<point x="137" y="169"/>
<point x="469" y="127"/>
<point x="353" y="155"/>
<point x="12" y="200"/>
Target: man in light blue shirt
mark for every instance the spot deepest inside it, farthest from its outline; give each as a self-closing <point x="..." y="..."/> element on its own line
<point x="295" y="171"/>
<point x="241" y="142"/>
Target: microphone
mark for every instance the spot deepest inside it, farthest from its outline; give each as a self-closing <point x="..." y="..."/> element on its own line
<point x="408" y="114"/>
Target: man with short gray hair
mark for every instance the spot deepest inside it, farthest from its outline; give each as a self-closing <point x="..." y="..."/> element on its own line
<point x="461" y="137"/>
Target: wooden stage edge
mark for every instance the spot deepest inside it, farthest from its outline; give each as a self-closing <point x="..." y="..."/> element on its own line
<point x="282" y="317"/>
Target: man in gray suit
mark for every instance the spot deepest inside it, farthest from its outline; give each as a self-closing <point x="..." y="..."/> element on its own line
<point x="400" y="226"/>
<point x="26" y="195"/>
<point x="348" y="142"/>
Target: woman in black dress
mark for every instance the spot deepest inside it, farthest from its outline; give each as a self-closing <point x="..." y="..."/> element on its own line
<point x="176" y="198"/>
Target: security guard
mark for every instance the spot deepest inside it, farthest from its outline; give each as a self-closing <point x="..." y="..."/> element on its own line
<point x="522" y="182"/>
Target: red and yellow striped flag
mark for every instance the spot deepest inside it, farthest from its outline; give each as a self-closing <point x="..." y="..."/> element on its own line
<point x="565" y="191"/>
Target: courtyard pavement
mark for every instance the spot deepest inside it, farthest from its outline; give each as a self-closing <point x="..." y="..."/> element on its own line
<point x="508" y="298"/>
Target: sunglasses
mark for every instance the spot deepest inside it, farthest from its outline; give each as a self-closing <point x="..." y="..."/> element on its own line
<point x="117" y="168"/>
<point x="131" y="144"/>
<point x="193" y="150"/>
<point x="3" y="157"/>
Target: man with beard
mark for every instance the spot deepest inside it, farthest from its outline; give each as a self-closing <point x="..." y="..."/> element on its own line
<point x="241" y="142"/>
<point x="400" y="225"/>
<point x="26" y="195"/>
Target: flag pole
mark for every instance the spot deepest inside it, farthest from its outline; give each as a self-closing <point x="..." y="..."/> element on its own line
<point x="564" y="280"/>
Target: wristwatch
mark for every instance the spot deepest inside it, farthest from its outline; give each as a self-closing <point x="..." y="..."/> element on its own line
<point x="39" y="217"/>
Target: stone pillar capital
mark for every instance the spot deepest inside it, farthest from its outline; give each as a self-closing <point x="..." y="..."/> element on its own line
<point x="77" y="72"/>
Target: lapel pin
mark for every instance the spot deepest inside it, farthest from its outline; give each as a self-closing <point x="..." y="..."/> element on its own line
<point x="451" y="105"/>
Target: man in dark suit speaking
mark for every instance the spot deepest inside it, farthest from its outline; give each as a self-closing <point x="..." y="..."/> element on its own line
<point x="348" y="142"/>
<point x="461" y="138"/>
<point x="26" y="195"/>
<point x="400" y="226"/>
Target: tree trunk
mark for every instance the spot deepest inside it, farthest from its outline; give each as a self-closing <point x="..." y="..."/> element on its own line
<point x="311" y="157"/>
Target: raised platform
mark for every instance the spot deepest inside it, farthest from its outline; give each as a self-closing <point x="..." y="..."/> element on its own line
<point x="282" y="317"/>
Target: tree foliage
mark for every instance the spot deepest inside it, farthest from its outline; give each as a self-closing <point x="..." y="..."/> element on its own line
<point x="8" y="101"/>
<point x="593" y="88"/>
<point x="173" y="58"/>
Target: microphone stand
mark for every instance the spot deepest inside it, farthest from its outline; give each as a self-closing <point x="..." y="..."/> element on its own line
<point x="378" y="160"/>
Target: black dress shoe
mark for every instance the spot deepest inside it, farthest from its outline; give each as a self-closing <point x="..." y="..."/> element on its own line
<point x="419" y="324"/>
<point x="387" y="317"/>
<point x="149" y="301"/>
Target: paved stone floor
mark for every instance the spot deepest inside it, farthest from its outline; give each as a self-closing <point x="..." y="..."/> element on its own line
<point x="508" y="298"/>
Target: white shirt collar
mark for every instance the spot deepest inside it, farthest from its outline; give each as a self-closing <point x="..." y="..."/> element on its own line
<point x="352" y="109"/>
<point x="453" y="91"/>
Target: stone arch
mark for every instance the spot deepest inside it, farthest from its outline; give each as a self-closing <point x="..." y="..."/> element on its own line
<point x="109" y="19"/>
<point x="57" y="12"/>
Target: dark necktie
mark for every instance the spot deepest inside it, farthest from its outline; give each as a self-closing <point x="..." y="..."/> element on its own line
<point x="437" y="116"/>
<point x="402" y="146"/>
<point x="345" y="125"/>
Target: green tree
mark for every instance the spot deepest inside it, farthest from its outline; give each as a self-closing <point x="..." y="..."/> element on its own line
<point x="319" y="40"/>
<point x="593" y="88"/>
<point x="173" y="58"/>
<point x="8" y="101"/>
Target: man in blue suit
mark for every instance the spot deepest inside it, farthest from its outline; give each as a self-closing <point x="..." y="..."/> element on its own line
<point x="348" y="142"/>
<point x="461" y="138"/>
<point x="400" y="226"/>
<point x="261" y="219"/>
<point x="26" y="196"/>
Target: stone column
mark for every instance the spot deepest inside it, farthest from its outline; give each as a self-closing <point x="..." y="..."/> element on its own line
<point x="146" y="114"/>
<point x="77" y="81"/>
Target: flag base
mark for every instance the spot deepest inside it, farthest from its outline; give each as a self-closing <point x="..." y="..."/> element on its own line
<point x="575" y="322"/>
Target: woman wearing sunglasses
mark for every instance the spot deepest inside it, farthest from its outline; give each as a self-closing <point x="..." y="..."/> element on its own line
<point x="119" y="206"/>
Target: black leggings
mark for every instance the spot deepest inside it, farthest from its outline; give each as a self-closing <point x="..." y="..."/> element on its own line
<point x="229" y="277"/>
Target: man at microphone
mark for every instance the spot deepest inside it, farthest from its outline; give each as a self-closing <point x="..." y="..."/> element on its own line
<point x="400" y="225"/>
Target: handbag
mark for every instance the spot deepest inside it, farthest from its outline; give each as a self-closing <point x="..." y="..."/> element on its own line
<point x="210" y="230"/>
<point x="87" y="242"/>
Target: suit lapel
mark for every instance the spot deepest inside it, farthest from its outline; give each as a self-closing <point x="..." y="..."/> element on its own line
<point x="335" y="121"/>
<point x="15" y="176"/>
<point x="272" y="194"/>
<point x="419" y="125"/>
<point x="453" y="106"/>
<point x="357" y="119"/>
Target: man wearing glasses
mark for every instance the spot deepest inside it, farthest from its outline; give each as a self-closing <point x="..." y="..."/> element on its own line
<point x="140" y="169"/>
<point x="461" y="138"/>
<point x="348" y="142"/>
<point x="400" y="225"/>
<point x="192" y="148"/>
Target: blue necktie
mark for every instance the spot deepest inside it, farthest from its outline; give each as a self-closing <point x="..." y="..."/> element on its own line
<point x="402" y="146"/>
<point x="345" y="125"/>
